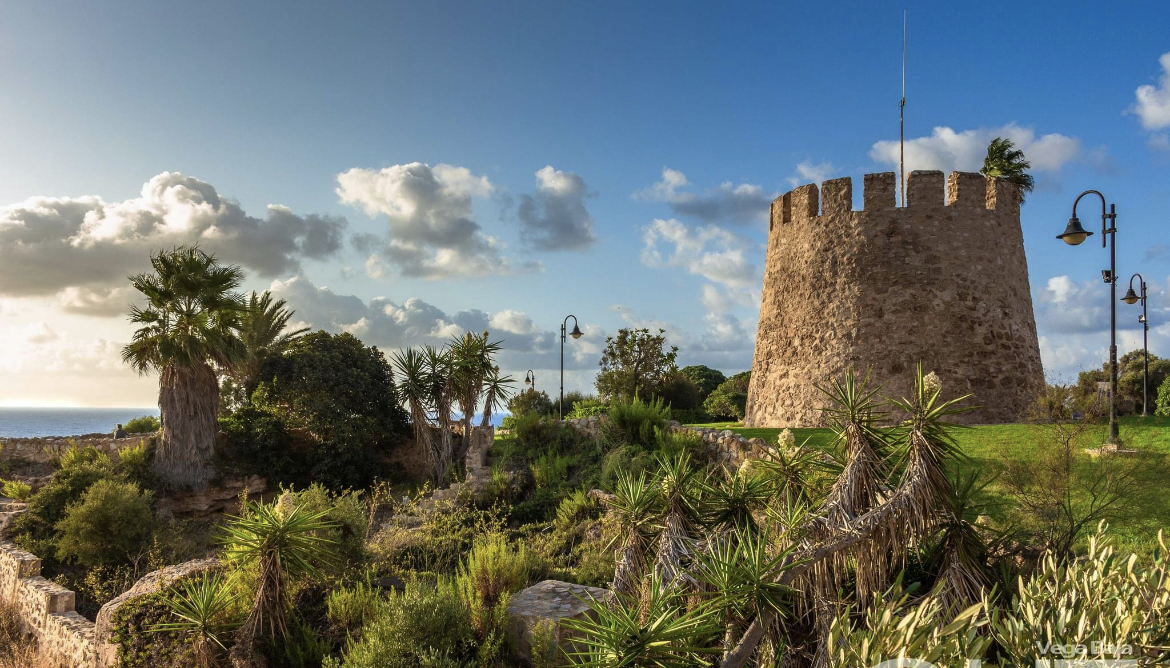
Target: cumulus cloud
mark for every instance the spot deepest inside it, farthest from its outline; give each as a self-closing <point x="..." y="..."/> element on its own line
<point x="728" y="203"/>
<point x="388" y="324"/>
<point x="807" y="172"/>
<point x="555" y="217"/>
<point x="710" y="252"/>
<point x="432" y="234"/>
<point x="1153" y="102"/>
<point x="39" y="332"/>
<point x="947" y="150"/>
<point x="82" y="247"/>
<point x="111" y="301"/>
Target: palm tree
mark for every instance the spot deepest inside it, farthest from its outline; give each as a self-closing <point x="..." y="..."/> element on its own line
<point x="189" y="327"/>
<point x="1007" y="162"/>
<point x="263" y="328"/>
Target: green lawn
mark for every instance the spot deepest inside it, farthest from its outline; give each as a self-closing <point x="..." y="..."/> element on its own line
<point x="988" y="446"/>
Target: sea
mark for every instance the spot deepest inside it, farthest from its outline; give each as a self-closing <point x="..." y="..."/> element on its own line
<point x="28" y="422"/>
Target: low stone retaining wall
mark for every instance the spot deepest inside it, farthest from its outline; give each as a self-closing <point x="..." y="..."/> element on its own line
<point x="45" y="448"/>
<point x="723" y="446"/>
<point x="46" y="610"/>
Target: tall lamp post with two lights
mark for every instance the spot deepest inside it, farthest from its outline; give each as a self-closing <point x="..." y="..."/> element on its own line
<point x="576" y="334"/>
<point x="1074" y="235"/>
<point x="1132" y="297"/>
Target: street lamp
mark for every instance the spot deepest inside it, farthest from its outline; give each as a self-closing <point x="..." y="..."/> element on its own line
<point x="1132" y="297"/>
<point x="576" y="334"/>
<point x="1073" y="235"/>
<point x="530" y="380"/>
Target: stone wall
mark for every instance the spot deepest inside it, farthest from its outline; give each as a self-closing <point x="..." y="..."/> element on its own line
<point x="884" y="288"/>
<point x="44" y="448"/>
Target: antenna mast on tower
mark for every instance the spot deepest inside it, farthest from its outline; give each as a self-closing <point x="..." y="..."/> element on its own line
<point x="902" y="118"/>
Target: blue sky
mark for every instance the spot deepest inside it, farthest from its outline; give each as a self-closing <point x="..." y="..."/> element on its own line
<point x="444" y="165"/>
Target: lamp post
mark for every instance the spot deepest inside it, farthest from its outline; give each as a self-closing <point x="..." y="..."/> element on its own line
<point x="1132" y="298"/>
<point x="576" y="334"/>
<point x="530" y="380"/>
<point x="1074" y="235"/>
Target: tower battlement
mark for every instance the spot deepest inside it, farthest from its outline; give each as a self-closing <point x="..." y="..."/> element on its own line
<point x="942" y="280"/>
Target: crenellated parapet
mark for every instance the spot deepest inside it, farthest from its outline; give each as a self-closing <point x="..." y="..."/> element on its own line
<point x="942" y="280"/>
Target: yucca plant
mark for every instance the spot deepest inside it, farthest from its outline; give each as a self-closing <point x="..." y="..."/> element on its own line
<point x="283" y="545"/>
<point x="732" y="501"/>
<point x="661" y="633"/>
<point x="636" y="502"/>
<point x="677" y="484"/>
<point x="203" y="608"/>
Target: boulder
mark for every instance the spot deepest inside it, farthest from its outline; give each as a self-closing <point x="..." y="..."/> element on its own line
<point x="547" y="603"/>
<point x="150" y="583"/>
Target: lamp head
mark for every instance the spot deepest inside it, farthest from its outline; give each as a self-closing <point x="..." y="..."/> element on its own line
<point x="1074" y="234"/>
<point x="1130" y="296"/>
<point x="576" y="333"/>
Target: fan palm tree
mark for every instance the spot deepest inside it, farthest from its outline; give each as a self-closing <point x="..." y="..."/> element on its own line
<point x="189" y="327"/>
<point x="1007" y="162"/>
<point x="264" y="332"/>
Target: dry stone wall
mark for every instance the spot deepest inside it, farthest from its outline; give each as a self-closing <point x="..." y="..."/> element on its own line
<point x="722" y="445"/>
<point x="884" y="288"/>
<point x="44" y="448"/>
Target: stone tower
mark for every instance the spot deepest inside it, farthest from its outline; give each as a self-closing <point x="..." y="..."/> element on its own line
<point x="886" y="287"/>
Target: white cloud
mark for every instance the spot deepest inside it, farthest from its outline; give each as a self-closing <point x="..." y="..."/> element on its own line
<point x="744" y="203"/>
<point x="39" y="333"/>
<point x="1153" y="102"/>
<point x="388" y="324"/>
<point x="112" y="301"/>
<point x="81" y="248"/>
<point x="555" y="217"/>
<point x="947" y="150"/>
<point x="807" y="172"/>
<point x="431" y="234"/>
<point x="711" y="252"/>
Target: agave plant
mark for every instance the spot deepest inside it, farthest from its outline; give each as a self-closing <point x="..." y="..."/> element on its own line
<point x="662" y="633"/>
<point x="283" y="545"/>
<point x="202" y="608"/>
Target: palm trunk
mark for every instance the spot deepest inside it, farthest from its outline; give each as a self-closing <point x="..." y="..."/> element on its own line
<point x="188" y="400"/>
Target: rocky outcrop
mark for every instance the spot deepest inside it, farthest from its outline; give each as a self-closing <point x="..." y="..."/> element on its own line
<point x="151" y="583"/>
<point x="221" y="497"/>
<point x="542" y="607"/>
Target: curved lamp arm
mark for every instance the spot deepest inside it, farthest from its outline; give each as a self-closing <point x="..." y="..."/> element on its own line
<point x="1104" y="215"/>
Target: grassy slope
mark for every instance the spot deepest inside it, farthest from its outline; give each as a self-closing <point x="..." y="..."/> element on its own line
<point x="989" y="445"/>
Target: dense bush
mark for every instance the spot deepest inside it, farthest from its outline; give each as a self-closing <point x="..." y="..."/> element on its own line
<point x="346" y="513"/>
<point x="339" y="392"/>
<point x="530" y="401"/>
<point x="147" y="424"/>
<point x="636" y="422"/>
<point x="729" y="400"/>
<point x="134" y="461"/>
<point x="36" y="529"/>
<point x="261" y="443"/>
<point x="679" y="392"/>
<point x="698" y="416"/>
<point x="587" y="408"/>
<point x="111" y="523"/>
<point x="425" y="625"/>
<point x="17" y="489"/>
<point x="493" y="571"/>
<point x="1163" y="399"/>
<point x="705" y="379"/>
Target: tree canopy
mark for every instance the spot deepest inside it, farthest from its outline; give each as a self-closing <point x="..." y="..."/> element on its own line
<point x="635" y="363"/>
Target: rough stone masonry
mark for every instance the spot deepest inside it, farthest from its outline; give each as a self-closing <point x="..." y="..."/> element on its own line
<point x="882" y="289"/>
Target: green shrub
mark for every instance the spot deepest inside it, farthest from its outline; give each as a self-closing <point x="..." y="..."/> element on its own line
<point x="147" y="424"/>
<point x="260" y="443"/>
<point x="139" y="647"/>
<point x="76" y="455"/>
<point x="636" y="422"/>
<point x="346" y="512"/>
<point x="17" y="489"/>
<point x="36" y="529"/>
<point x="1163" y="405"/>
<point x="587" y="408"/>
<point x="628" y="458"/>
<point x="729" y="400"/>
<point x="494" y="570"/>
<point x="426" y="625"/>
<point x="530" y="401"/>
<point x="439" y="543"/>
<point x="303" y="646"/>
<point x="135" y="461"/>
<point x="549" y="469"/>
<point x="575" y="508"/>
<point x="111" y="523"/>
<point x="349" y="609"/>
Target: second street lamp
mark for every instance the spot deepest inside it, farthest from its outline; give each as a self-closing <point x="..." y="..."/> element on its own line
<point x="1132" y="297"/>
<point x="576" y="334"/>
<point x="1074" y="235"/>
<point x="530" y="380"/>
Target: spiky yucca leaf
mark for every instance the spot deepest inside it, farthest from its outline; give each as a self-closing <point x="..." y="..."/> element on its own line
<point x="637" y="503"/>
